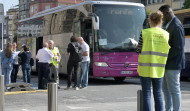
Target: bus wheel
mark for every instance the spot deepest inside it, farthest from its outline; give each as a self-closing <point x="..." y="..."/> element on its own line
<point x="119" y="79"/>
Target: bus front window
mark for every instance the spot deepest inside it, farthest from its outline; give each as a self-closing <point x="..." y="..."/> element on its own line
<point x="120" y="26"/>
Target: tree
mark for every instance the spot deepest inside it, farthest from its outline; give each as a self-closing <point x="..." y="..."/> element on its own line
<point x="15" y="37"/>
<point x="186" y="4"/>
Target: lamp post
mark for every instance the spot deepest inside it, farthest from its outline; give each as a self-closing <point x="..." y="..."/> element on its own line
<point x="2" y="21"/>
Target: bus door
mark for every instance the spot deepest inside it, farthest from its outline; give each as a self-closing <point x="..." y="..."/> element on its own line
<point x="186" y="72"/>
<point x="86" y="29"/>
<point x="39" y="45"/>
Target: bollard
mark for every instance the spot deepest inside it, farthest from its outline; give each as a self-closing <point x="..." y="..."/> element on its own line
<point x="2" y="99"/>
<point x="139" y="100"/>
<point x="52" y="96"/>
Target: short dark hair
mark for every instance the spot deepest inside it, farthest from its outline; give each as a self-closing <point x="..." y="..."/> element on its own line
<point x="26" y="48"/>
<point x="73" y="39"/>
<point x="164" y="8"/>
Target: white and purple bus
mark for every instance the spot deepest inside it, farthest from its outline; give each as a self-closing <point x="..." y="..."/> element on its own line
<point x="110" y="28"/>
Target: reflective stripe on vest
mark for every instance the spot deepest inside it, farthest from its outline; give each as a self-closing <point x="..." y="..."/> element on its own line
<point x="153" y="57"/>
<point x="154" y="53"/>
<point x="152" y="64"/>
<point x="55" y="58"/>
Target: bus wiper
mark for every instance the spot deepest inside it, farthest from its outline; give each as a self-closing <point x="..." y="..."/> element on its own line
<point x="116" y="49"/>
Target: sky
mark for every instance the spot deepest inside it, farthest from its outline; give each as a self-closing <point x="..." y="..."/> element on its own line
<point x="8" y="4"/>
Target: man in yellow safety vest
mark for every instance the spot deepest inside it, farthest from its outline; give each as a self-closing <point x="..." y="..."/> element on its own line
<point x="54" y="67"/>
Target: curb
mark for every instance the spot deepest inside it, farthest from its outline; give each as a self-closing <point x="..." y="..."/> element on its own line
<point x="24" y="92"/>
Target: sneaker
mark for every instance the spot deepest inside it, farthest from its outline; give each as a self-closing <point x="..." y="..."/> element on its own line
<point x="59" y="87"/>
<point x="76" y="88"/>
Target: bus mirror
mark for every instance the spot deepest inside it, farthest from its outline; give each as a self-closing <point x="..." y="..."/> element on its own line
<point x="95" y="21"/>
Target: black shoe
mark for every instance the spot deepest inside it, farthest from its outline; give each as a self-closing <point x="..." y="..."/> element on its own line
<point x="67" y="88"/>
<point x="59" y="87"/>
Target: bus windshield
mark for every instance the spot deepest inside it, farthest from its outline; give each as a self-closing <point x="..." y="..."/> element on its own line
<point x="119" y="26"/>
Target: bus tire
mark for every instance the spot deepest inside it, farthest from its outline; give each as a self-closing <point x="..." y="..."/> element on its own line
<point x="119" y="79"/>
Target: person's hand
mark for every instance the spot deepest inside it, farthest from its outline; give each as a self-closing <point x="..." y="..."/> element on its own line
<point x="135" y="45"/>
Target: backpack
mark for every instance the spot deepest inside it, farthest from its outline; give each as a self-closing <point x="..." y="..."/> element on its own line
<point x="77" y="54"/>
<point x="31" y="62"/>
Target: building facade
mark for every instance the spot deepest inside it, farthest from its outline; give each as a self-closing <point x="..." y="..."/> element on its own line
<point x="24" y="9"/>
<point x="12" y="15"/>
<point x="40" y="5"/>
<point x="153" y="5"/>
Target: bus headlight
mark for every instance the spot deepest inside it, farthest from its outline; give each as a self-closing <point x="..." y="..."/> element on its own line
<point x="101" y="64"/>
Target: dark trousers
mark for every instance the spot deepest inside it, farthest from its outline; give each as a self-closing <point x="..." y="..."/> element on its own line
<point x="72" y="67"/>
<point x="14" y="73"/>
<point x="43" y="75"/>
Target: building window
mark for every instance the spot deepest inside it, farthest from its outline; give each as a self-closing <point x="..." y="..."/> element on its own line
<point x="10" y="27"/>
<point x="24" y="16"/>
<point x="31" y="9"/>
<point x="5" y="41"/>
<point x="151" y="1"/>
<point x="35" y="8"/>
<point x="47" y="7"/>
<point x="24" y="7"/>
<point x="5" y="32"/>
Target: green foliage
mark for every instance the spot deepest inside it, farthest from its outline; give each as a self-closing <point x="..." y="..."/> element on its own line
<point x="186" y="4"/>
<point x="15" y="38"/>
<point x="148" y="12"/>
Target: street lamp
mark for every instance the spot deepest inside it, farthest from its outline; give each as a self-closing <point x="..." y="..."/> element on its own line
<point x="2" y="21"/>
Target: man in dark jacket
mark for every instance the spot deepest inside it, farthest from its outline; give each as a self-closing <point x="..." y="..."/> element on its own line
<point x="176" y="60"/>
<point x="73" y="62"/>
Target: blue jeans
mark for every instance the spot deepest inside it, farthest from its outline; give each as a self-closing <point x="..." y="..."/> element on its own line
<point x="6" y="71"/>
<point x="171" y="89"/>
<point x="157" y="92"/>
<point x="26" y="69"/>
<point x="83" y="74"/>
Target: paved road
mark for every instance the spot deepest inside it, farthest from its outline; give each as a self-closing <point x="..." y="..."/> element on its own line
<point x="101" y="95"/>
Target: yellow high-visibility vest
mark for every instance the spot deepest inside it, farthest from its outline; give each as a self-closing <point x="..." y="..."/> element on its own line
<point x="55" y="58"/>
<point x="155" y="49"/>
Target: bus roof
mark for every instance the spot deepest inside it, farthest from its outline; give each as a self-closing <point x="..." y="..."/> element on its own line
<point x="182" y="11"/>
<point x="78" y="6"/>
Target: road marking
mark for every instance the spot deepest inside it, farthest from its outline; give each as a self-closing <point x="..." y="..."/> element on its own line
<point x="127" y="98"/>
<point x="23" y="92"/>
<point x="27" y="110"/>
<point x="74" y="107"/>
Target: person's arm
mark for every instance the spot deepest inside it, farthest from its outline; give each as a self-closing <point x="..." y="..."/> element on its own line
<point x="37" y="55"/>
<point x="11" y="59"/>
<point x="2" y="56"/>
<point x="69" y="49"/>
<point x="85" y="50"/>
<point x="50" y="53"/>
<point x="140" y="44"/>
<point x="59" y="56"/>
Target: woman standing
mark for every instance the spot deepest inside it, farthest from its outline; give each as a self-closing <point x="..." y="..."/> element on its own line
<point x="153" y="49"/>
<point x="7" y="63"/>
<point x="26" y="68"/>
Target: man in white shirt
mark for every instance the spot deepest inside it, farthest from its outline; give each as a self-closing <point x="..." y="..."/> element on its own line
<point x="44" y="55"/>
<point x="84" y="65"/>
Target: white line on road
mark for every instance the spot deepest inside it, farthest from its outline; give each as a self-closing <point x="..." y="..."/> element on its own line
<point x="27" y="110"/>
<point x="74" y="107"/>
